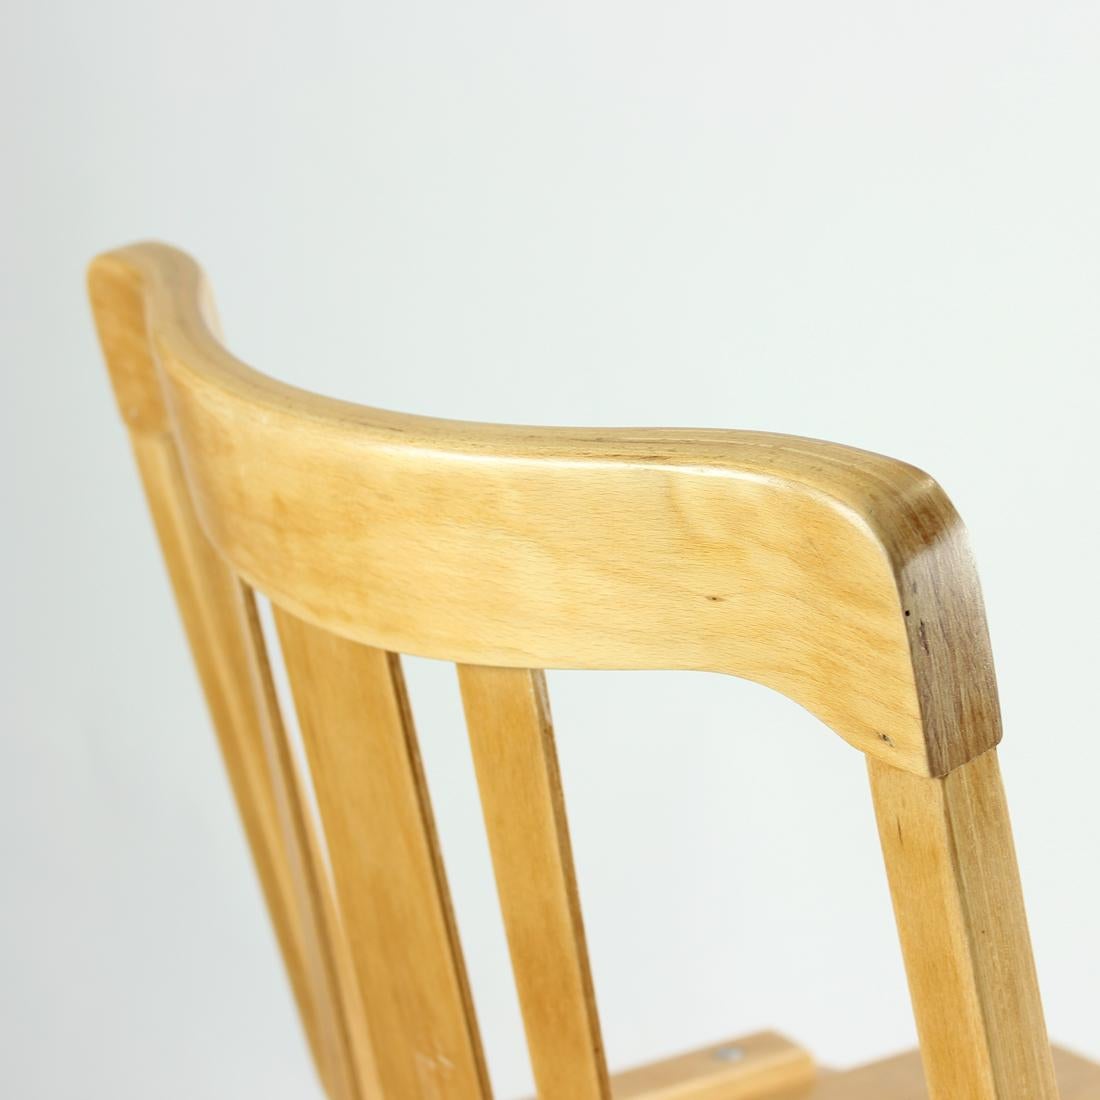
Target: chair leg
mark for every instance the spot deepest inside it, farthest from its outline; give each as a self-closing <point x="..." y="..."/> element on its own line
<point x="956" y="891"/>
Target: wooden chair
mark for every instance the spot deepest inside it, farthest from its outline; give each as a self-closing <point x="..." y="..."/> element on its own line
<point x="841" y="579"/>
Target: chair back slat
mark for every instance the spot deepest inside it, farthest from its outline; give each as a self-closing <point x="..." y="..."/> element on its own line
<point x="359" y="738"/>
<point x="508" y="717"/>
<point x="354" y="1073"/>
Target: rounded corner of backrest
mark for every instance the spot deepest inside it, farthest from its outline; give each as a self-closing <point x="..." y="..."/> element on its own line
<point x="941" y="607"/>
<point x="950" y="645"/>
<point x="116" y="284"/>
<point x="887" y="639"/>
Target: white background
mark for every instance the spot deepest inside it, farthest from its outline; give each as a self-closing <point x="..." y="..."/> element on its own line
<point x="873" y="222"/>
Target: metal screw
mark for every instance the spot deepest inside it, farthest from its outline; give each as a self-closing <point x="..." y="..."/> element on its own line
<point x="730" y="1054"/>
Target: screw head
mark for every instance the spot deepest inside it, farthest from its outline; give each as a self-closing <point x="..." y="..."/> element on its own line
<point x="730" y="1054"/>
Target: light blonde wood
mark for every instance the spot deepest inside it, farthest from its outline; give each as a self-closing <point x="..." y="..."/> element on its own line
<point x="685" y="1077"/>
<point x="352" y="1071"/>
<point x="357" y="729"/>
<point x="837" y="577"/>
<point x="226" y="657"/>
<point x="767" y="1063"/>
<point x="228" y="649"/>
<point x="902" y="1078"/>
<point x="517" y="772"/>
<point x="956" y="890"/>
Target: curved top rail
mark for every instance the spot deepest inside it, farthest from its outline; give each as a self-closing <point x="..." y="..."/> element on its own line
<point x="839" y="577"/>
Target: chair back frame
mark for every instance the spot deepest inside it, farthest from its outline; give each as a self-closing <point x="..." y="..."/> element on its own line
<point x="840" y="578"/>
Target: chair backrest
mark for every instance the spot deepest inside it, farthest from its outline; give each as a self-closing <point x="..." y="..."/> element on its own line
<point x="840" y="578"/>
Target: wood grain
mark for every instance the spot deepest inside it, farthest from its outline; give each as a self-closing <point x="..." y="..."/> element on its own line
<point x="837" y="577"/>
<point x="517" y="772"/>
<point x="358" y="732"/>
<point x="228" y="658"/>
<point x="354" y="1071"/>
<point x="229" y="653"/>
<point x="960" y="914"/>
<point x="840" y="578"/>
